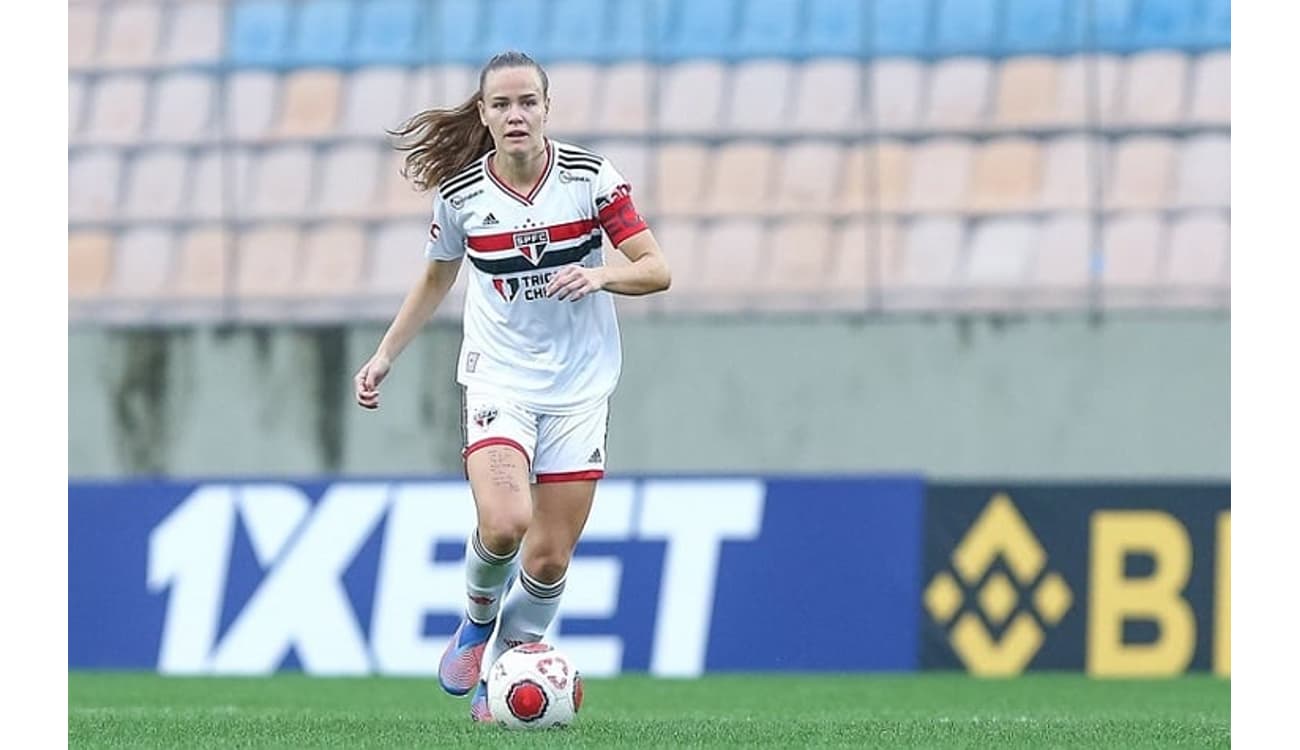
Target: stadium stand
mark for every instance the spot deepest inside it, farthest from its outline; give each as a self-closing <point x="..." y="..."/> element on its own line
<point x="834" y="155"/>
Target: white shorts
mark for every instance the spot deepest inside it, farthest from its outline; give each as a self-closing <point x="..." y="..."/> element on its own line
<point x="559" y="448"/>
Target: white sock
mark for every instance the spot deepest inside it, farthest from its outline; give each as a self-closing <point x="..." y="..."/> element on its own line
<point x="529" y="609"/>
<point x="486" y="575"/>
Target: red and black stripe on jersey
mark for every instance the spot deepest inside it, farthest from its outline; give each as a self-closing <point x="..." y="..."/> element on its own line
<point x="461" y="180"/>
<point x="483" y="247"/>
<point x="579" y="160"/>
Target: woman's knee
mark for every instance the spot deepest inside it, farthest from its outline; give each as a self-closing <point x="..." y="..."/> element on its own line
<point x="547" y="564"/>
<point x="502" y="529"/>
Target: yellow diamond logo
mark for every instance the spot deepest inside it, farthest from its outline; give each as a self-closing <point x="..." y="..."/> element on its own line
<point x="998" y="598"/>
<point x="942" y="597"/>
<point x="1052" y="598"/>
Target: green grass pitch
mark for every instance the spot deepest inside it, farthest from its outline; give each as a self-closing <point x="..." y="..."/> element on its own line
<point x="112" y="710"/>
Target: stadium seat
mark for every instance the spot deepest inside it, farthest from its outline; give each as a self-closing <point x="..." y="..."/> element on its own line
<point x="456" y="34"/>
<point x="732" y="252"/>
<point x="1198" y="251"/>
<point x="1001" y="251"/>
<point x="321" y="32"/>
<point x="95" y="174"/>
<point x="282" y="182"/>
<point x="444" y="85"/>
<point x="373" y="101"/>
<point x="1071" y="165"/>
<point x="835" y="29"/>
<point x="202" y="264"/>
<point x="182" y="108"/>
<point x="142" y="262"/>
<point x="1064" y="253"/>
<point x="83" y="35"/>
<point x="858" y="249"/>
<point x="396" y="257"/>
<point x="959" y="94"/>
<point x="251" y="100"/>
<point x="348" y="180"/>
<point x="398" y="196"/>
<point x="808" y="177"/>
<point x="573" y="95"/>
<point x="828" y="97"/>
<point x="768" y="28"/>
<point x="576" y="32"/>
<point x="1153" y="89"/>
<point x="1036" y="27"/>
<point x="625" y="99"/>
<point x="388" y="33"/>
<point x="514" y="24"/>
<point x="940" y="173"/>
<point x="799" y="258"/>
<point x="633" y="160"/>
<point x="1108" y="27"/>
<point x="637" y="29"/>
<point x="195" y="35"/>
<point x="155" y="184"/>
<point x="757" y="97"/>
<point x="1204" y="172"/>
<point x="1006" y="176"/>
<point x="896" y="86"/>
<point x="681" y="169"/>
<point x="77" y="96"/>
<point x="1164" y="24"/>
<point x="855" y="192"/>
<point x="259" y="32"/>
<point x="740" y="179"/>
<point x="1215" y="28"/>
<point x="310" y="104"/>
<point x="1212" y="90"/>
<point x="333" y="257"/>
<point x="901" y="28"/>
<point x="1140" y="170"/>
<point x="1089" y="89"/>
<point x="965" y="27"/>
<point x="931" y="253"/>
<point x="220" y="184"/>
<point x="131" y="39"/>
<point x="875" y="177"/>
<point x="90" y="261"/>
<point x="117" y="109"/>
<point x="1027" y="94"/>
<point x="701" y="30"/>
<point x="266" y="260"/>
<point x="1131" y="249"/>
<point x="691" y="97"/>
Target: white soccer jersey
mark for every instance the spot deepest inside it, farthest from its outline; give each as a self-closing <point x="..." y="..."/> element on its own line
<point x="556" y="356"/>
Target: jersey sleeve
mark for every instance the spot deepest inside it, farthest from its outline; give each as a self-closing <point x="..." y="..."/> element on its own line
<point x="446" y="238"/>
<point x="614" y="207"/>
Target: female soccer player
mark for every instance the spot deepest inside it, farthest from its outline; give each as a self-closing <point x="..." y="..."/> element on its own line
<point x="540" y="355"/>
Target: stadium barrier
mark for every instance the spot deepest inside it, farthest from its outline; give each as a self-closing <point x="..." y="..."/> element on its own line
<point x="674" y="576"/>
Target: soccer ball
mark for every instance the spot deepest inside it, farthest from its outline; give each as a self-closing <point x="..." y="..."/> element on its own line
<point x="532" y="686"/>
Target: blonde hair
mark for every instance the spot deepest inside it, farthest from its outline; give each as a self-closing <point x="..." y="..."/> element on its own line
<point x="441" y="142"/>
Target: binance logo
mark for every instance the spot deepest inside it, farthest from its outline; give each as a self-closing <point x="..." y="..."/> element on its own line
<point x="999" y="532"/>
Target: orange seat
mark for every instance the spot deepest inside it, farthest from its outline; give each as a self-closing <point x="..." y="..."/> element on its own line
<point x="311" y="104"/>
<point x="1140" y="173"/>
<point x="940" y="175"/>
<point x="203" y="264"/>
<point x="333" y="259"/>
<point x="1006" y="176"/>
<point x="1028" y="93"/>
<point x="90" y="260"/>
<point x="740" y="179"/>
<point x="680" y="174"/>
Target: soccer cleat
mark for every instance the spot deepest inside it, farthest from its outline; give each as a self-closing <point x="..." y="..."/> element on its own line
<point x="459" y="668"/>
<point x="478" y="705"/>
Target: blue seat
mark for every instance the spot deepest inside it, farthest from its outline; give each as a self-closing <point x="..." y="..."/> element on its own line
<point x="387" y="33"/>
<point x="1036" y="27"/>
<point x="321" y="33"/>
<point x="965" y="27"/>
<point x="1108" y="28"/>
<point x="514" y="25"/>
<point x="1215" y="28"/>
<point x="835" y="29"/>
<point x="455" y="32"/>
<point x="577" y="31"/>
<point x="259" y="33"/>
<point x="638" y="29"/>
<point x="901" y="28"/>
<point x="1165" y="23"/>
<point x="701" y="29"/>
<point x="768" y="28"/>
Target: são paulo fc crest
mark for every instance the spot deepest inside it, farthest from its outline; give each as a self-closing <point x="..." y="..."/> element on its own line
<point x="532" y="244"/>
<point x="484" y="415"/>
<point x="508" y="288"/>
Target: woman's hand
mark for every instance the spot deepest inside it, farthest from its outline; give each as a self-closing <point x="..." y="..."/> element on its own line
<point x="366" y="382"/>
<point x="575" y="282"/>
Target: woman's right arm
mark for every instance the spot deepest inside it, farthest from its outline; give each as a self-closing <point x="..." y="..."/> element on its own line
<point x="424" y="297"/>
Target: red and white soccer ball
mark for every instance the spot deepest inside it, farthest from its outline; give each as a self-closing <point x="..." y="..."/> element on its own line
<point x="533" y="686"/>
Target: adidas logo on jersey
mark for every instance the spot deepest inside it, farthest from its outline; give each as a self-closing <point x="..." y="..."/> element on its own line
<point x="491" y="220"/>
<point x="595" y="457"/>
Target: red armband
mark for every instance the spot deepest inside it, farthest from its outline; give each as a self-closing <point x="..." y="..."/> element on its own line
<point x="619" y="217"/>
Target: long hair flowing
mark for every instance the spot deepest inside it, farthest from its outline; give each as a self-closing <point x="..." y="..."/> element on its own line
<point x="441" y="142"/>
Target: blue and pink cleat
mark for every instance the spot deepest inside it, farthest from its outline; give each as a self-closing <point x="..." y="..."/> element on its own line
<point x="478" y="705"/>
<point x="458" y="671"/>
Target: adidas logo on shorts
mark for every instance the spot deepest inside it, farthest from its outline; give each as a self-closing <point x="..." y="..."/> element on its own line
<point x="595" y="457"/>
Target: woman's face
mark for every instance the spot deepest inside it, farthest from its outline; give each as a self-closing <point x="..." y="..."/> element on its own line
<point x="514" y="109"/>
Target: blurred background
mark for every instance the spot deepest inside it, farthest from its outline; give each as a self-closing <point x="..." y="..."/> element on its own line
<point x="978" y="245"/>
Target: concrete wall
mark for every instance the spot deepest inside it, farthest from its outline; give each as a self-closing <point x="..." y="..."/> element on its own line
<point x="1127" y="397"/>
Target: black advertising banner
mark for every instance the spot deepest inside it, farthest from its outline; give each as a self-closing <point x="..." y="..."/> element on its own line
<point x="1112" y="579"/>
